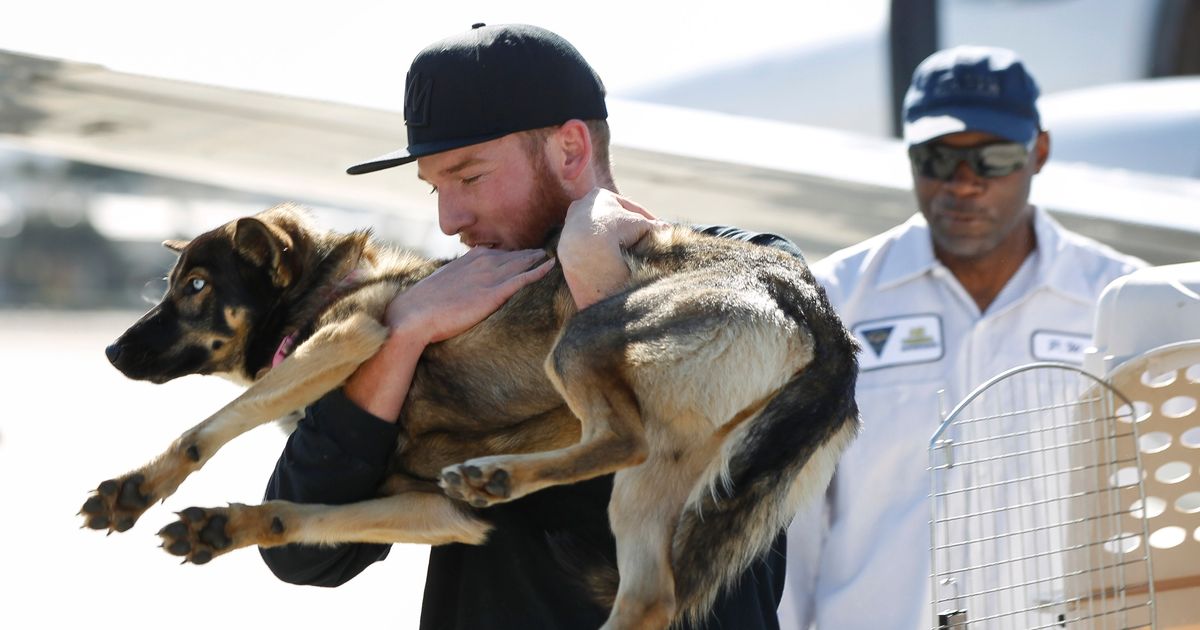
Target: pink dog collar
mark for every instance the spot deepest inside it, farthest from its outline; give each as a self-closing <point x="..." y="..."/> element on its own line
<point x="284" y="349"/>
<point x="287" y="345"/>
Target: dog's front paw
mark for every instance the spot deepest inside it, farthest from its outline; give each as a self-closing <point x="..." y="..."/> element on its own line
<point x="480" y="482"/>
<point x="116" y="504"/>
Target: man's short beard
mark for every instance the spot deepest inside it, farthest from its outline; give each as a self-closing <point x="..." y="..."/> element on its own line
<point x="548" y="203"/>
<point x="966" y="248"/>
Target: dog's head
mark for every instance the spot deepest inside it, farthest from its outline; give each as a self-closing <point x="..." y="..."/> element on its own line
<point x="223" y="290"/>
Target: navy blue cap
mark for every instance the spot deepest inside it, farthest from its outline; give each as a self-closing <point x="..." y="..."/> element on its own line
<point x="971" y="88"/>
<point x="489" y="82"/>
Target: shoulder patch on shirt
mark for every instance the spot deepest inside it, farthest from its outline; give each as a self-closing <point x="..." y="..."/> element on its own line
<point x="902" y="340"/>
<point x="1051" y="345"/>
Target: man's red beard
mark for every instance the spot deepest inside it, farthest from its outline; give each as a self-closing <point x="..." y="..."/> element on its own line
<point x="548" y="203"/>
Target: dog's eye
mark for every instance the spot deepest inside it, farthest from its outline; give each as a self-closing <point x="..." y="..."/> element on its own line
<point x="196" y="285"/>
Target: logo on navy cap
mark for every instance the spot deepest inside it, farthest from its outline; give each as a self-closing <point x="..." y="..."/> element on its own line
<point x="963" y="84"/>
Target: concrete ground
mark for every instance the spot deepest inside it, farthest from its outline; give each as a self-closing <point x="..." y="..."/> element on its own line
<point x="70" y="421"/>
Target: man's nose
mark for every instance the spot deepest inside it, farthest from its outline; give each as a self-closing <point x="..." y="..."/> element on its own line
<point x="964" y="181"/>
<point x="453" y="217"/>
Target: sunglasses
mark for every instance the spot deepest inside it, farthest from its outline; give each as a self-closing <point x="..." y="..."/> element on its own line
<point x="939" y="161"/>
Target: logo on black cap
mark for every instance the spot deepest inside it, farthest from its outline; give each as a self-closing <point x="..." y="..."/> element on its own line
<point x="416" y="102"/>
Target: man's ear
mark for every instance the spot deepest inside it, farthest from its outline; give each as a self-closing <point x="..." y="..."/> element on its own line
<point x="1041" y="151"/>
<point x="175" y="246"/>
<point x="266" y="246"/>
<point x="572" y="150"/>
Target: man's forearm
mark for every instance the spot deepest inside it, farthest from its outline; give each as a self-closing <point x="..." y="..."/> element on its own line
<point x="592" y="280"/>
<point x="381" y="384"/>
<point x="598" y="227"/>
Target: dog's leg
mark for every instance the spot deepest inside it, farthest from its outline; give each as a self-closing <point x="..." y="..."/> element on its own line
<point x="322" y="363"/>
<point x="644" y="510"/>
<point x="399" y="483"/>
<point x="431" y="451"/>
<point x="612" y="436"/>
<point x="202" y="534"/>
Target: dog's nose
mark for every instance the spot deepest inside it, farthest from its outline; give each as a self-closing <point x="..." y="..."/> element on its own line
<point x="113" y="353"/>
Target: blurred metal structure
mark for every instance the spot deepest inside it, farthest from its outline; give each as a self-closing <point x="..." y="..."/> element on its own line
<point x="1036" y="486"/>
<point x="822" y="189"/>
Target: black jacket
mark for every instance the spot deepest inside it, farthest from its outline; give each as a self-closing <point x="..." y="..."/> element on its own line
<point x="339" y="454"/>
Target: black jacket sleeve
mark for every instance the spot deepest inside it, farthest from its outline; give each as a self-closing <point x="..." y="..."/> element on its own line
<point x="758" y="238"/>
<point x="338" y="454"/>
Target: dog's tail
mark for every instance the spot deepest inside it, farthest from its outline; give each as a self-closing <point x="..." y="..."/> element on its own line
<point x="772" y="462"/>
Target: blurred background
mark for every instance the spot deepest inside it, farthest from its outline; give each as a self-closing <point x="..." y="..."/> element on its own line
<point x="129" y="122"/>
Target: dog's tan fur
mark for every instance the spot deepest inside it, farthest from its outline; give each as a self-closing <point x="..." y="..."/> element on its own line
<point x="671" y="384"/>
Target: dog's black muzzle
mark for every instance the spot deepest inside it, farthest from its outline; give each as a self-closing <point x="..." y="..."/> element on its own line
<point x="154" y="350"/>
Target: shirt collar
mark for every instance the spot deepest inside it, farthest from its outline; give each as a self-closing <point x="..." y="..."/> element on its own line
<point x="911" y="256"/>
<point x="1058" y="266"/>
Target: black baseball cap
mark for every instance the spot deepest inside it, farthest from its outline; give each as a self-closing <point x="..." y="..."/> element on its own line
<point x="971" y="88"/>
<point x="487" y="83"/>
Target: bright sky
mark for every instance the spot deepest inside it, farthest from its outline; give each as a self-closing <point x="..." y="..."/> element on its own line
<point x="357" y="51"/>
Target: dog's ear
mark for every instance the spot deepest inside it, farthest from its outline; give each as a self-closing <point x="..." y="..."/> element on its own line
<point x="264" y="245"/>
<point x="175" y="246"/>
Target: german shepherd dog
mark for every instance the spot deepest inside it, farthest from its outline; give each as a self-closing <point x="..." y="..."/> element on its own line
<point x="718" y="386"/>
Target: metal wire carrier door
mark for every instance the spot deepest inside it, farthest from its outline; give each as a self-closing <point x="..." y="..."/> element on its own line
<point x="1033" y="478"/>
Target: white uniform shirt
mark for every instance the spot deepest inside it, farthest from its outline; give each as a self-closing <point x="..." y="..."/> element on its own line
<point x="861" y="558"/>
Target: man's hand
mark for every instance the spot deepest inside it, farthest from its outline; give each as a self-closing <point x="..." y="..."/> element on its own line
<point x="463" y="292"/>
<point x="597" y="228"/>
<point x="451" y="300"/>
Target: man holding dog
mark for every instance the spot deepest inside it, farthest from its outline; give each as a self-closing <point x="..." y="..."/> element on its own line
<point x="977" y="282"/>
<point x="507" y="125"/>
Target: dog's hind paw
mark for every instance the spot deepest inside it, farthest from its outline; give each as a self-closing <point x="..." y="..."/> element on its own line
<point x="202" y="534"/>
<point x="477" y="482"/>
<point x="116" y="504"/>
